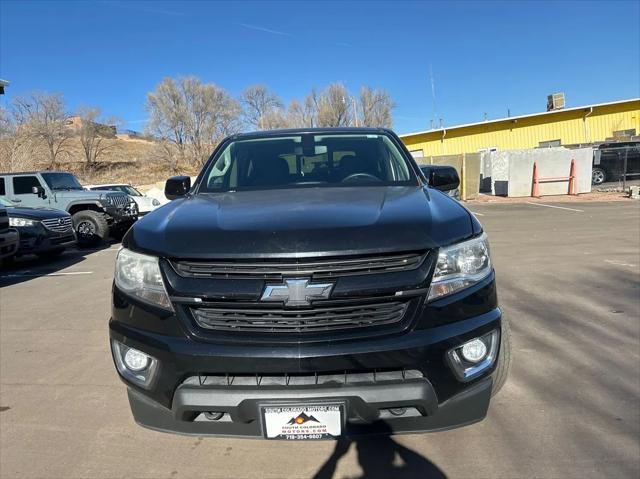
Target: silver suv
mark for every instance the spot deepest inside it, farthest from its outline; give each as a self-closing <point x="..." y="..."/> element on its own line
<point x="95" y="214"/>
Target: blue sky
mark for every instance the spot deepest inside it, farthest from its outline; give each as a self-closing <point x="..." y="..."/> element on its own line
<point x="486" y="57"/>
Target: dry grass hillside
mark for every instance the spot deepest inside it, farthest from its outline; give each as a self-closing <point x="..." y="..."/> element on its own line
<point x="126" y="160"/>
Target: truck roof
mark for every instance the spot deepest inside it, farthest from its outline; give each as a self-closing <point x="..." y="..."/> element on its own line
<point x="299" y="131"/>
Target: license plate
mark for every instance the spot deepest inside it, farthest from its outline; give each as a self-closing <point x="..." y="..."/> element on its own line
<point x="303" y="422"/>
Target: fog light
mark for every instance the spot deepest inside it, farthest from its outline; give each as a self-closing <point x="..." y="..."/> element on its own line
<point x="135" y="360"/>
<point x="213" y="415"/>
<point x="134" y="365"/>
<point x="471" y="359"/>
<point x="474" y="351"/>
<point x="398" y="411"/>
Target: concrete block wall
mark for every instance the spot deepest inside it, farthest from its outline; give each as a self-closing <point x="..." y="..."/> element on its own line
<point x="511" y="171"/>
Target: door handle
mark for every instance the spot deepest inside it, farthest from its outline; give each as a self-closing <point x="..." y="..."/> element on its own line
<point x="16" y="200"/>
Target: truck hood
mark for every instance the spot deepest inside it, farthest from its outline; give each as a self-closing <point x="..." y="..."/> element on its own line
<point x="301" y="222"/>
<point x="85" y="195"/>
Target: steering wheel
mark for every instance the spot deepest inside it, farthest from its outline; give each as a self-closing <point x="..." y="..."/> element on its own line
<point x="359" y="176"/>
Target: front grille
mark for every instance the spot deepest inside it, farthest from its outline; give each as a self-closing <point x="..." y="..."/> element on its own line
<point x="120" y="201"/>
<point x="301" y="379"/>
<point x="311" y="320"/>
<point x="317" y="268"/>
<point x="59" y="225"/>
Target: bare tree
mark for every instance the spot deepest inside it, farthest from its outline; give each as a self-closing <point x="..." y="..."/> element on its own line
<point x="304" y="115"/>
<point x="275" y="119"/>
<point x="16" y="148"/>
<point x="190" y="118"/>
<point x="168" y="119"/>
<point x="93" y="133"/>
<point x="262" y="108"/>
<point x="334" y="106"/>
<point x="295" y="115"/>
<point x="212" y="114"/>
<point x="167" y="151"/>
<point x="376" y="108"/>
<point x="42" y="117"/>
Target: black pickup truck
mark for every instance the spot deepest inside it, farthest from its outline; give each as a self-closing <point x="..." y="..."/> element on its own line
<point x="308" y="285"/>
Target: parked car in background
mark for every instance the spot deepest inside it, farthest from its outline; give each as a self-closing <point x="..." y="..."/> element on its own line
<point x="45" y="232"/>
<point x="145" y="204"/>
<point x="609" y="161"/>
<point x="445" y="176"/>
<point x="95" y="214"/>
<point x="9" y="237"/>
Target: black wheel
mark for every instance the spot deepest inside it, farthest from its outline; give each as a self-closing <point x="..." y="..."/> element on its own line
<point x="54" y="253"/>
<point x="504" y="358"/>
<point x="91" y="227"/>
<point x="598" y="176"/>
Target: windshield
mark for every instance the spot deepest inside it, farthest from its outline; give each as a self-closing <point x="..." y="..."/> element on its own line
<point x="307" y="160"/>
<point x="61" y="181"/>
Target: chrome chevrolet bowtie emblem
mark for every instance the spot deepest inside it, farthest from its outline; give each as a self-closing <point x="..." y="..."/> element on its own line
<point x="296" y="292"/>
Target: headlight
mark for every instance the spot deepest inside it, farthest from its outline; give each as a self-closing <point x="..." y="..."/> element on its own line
<point x="460" y="266"/>
<point x="17" y="222"/>
<point x="155" y="202"/>
<point x="109" y="200"/>
<point x="139" y="275"/>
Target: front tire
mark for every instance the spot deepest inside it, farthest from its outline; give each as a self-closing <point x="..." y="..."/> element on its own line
<point x="91" y="227"/>
<point x="598" y="176"/>
<point x="504" y="358"/>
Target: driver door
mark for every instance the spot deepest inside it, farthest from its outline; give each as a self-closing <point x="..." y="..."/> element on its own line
<point x="22" y="194"/>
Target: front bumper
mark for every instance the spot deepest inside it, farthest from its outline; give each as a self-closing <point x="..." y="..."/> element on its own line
<point x="435" y="399"/>
<point x="367" y="408"/>
<point x="119" y="215"/>
<point x="37" y="239"/>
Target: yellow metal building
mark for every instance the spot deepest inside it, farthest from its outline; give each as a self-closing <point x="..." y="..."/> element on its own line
<point x="570" y="126"/>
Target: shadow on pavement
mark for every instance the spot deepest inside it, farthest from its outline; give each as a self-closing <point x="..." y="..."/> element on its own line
<point x="28" y="267"/>
<point x="381" y="457"/>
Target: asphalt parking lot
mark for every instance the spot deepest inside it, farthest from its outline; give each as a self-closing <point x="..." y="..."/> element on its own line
<point x="569" y="279"/>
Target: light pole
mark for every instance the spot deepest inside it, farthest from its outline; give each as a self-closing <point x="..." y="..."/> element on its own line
<point x="355" y="109"/>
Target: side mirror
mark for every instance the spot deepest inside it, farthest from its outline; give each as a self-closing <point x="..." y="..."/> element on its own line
<point x="38" y="190"/>
<point x="177" y="186"/>
<point x="443" y="178"/>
